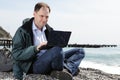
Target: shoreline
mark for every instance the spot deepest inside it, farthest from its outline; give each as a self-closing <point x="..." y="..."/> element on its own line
<point x="84" y="74"/>
<point x="110" y="69"/>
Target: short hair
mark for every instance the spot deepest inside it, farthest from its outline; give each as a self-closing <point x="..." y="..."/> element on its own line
<point x="40" y="5"/>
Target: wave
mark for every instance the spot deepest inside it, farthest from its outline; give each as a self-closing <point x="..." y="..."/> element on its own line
<point x="102" y="67"/>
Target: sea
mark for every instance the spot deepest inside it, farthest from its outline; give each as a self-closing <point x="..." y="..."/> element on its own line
<point x="106" y="59"/>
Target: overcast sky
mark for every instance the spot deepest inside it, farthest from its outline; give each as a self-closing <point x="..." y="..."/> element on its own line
<point x="91" y="21"/>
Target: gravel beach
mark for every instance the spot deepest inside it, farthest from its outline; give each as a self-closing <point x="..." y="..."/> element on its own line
<point x="85" y="74"/>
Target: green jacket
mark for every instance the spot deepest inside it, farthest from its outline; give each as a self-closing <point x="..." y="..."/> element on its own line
<point x="23" y="51"/>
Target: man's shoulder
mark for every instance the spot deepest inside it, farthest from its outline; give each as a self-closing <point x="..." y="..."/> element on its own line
<point x="26" y="27"/>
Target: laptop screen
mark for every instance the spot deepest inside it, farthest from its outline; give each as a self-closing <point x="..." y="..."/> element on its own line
<point x="58" y="38"/>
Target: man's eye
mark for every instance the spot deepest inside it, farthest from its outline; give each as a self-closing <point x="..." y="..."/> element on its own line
<point x="41" y="16"/>
<point x="47" y="17"/>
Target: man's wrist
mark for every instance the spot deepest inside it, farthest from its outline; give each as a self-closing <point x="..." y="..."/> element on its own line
<point x="38" y="49"/>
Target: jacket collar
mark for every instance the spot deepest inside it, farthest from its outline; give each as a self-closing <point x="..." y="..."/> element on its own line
<point x="27" y="26"/>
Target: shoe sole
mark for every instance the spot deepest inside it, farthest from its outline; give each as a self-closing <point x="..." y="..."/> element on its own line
<point x="60" y="75"/>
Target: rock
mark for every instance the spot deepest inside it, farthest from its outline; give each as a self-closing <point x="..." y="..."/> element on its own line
<point x="6" y="62"/>
<point x="85" y="74"/>
<point x="4" y="34"/>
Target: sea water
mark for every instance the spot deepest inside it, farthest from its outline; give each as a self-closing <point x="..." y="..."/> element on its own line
<point x="106" y="59"/>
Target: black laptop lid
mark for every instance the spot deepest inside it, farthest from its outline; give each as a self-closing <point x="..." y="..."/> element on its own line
<point x="58" y="38"/>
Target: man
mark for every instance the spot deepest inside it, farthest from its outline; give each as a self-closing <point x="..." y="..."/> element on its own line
<point x="30" y="57"/>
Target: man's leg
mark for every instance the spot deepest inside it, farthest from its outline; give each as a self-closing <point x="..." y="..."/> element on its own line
<point x="72" y="60"/>
<point x="50" y="60"/>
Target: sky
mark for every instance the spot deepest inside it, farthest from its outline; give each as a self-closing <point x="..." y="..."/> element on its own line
<point x="91" y="21"/>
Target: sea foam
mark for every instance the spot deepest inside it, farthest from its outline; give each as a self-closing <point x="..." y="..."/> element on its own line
<point x="102" y="67"/>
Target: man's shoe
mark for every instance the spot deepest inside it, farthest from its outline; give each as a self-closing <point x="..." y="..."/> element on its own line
<point x="76" y="73"/>
<point x="61" y="75"/>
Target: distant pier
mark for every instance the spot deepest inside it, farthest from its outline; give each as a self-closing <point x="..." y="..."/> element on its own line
<point x="6" y="42"/>
<point x="91" y="45"/>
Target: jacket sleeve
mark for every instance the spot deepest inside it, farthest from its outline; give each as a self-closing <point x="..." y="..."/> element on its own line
<point x="20" y="51"/>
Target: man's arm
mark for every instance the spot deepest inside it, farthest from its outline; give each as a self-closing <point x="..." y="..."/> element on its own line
<point x="20" y="51"/>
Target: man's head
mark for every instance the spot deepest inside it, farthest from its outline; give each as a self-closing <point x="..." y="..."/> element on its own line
<point x="41" y="14"/>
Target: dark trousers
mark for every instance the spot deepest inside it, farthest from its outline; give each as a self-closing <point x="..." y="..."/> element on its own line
<point x="56" y="59"/>
<point x="52" y="59"/>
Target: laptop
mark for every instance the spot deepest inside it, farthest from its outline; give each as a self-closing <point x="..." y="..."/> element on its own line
<point x="58" y="38"/>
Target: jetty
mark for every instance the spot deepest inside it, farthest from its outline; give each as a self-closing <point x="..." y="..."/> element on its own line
<point x="91" y="45"/>
<point x="5" y="42"/>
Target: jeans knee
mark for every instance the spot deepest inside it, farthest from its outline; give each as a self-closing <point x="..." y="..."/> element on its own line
<point x="82" y="52"/>
<point x="57" y="51"/>
<point x="57" y="48"/>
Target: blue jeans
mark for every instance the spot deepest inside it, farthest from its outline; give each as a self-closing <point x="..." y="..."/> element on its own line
<point x="56" y="59"/>
<point x="72" y="60"/>
<point x="52" y="59"/>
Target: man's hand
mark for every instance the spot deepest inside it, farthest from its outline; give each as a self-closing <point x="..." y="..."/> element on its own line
<point x="41" y="45"/>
